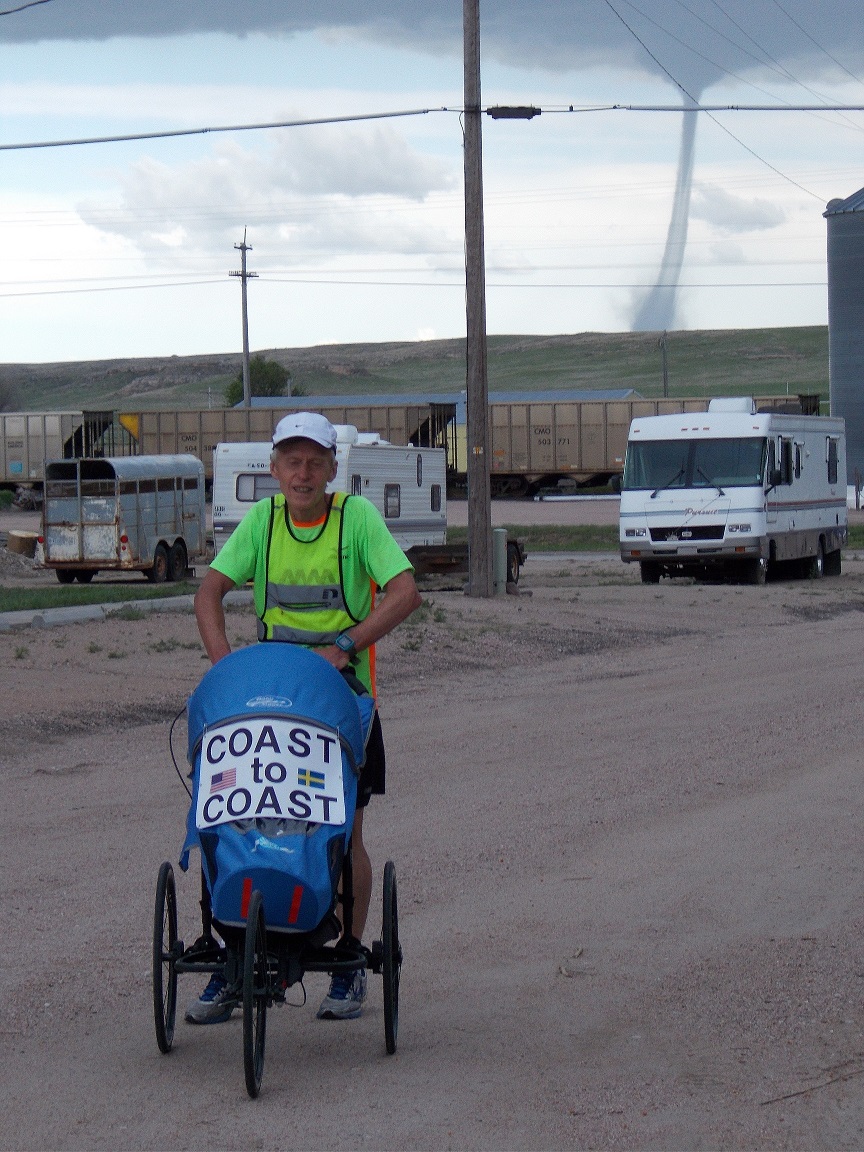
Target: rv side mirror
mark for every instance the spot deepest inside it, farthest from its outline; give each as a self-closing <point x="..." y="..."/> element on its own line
<point x="615" y="482"/>
<point x="774" y="478"/>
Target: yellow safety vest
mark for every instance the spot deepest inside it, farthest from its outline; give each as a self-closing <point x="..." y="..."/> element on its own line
<point x="305" y="600"/>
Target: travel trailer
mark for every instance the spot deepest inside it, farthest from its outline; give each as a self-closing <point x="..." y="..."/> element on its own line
<point x="407" y="485"/>
<point x="734" y="489"/>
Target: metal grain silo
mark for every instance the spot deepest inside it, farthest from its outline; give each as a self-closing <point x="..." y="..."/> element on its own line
<point x="846" y="322"/>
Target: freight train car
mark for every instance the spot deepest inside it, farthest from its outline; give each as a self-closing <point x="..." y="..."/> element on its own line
<point x="537" y="439"/>
<point x="27" y="439"/>
<point x="199" y="430"/>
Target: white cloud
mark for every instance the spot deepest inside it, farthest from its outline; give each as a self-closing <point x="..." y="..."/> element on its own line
<point x="726" y="212"/>
<point x="325" y="191"/>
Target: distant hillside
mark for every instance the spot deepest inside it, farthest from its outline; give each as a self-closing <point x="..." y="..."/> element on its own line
<point x="761" y="361"/>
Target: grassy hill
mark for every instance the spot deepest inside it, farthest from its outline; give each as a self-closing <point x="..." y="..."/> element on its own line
<point x="763" y="361"/>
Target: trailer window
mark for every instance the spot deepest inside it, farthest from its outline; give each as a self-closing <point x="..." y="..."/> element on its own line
<point x="669" y="464"/>
<point x="253" y="486"/>
<point x="656" y="464"/>
<point x="165" y="484"/>
<point x="190" y="483"/>
<point x="797" y="461"/>
<point x="785" y="461"/>
<point x="435" y="497"/>
<point x="356" y="484"/>
<point x="832" y="461"/>
<point x="419" y="470"/>
<point x="392" y="501"/>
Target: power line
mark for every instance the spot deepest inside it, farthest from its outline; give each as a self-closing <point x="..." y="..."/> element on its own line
<point x="812" y="40"/>
<point x="21" y="7"/>
<point x="692" y="100"/>
<point x="457" y="284"/>
<point x="220" y="128"/>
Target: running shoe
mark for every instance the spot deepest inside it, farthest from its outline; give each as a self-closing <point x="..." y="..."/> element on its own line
<point x="215" y="1004"/>
<point x="345" y="999"/>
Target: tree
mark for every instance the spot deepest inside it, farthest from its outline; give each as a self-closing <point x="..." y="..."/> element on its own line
<point x="266" y="378"/>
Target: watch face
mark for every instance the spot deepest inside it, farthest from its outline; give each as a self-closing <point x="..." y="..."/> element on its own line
<point x="345" y="643"/>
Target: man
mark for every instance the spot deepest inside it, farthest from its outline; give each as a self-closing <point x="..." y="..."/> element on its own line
<point x="315" y="559"/>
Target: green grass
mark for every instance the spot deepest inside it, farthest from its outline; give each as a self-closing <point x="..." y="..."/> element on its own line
<point x="551" y="538"/>
<point x="33" y="599"/>
<point x="762" y="362"/>
<point x="586" y="538"/>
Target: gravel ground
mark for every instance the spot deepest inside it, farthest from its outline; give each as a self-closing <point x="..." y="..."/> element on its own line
<point x="626" y="825"/>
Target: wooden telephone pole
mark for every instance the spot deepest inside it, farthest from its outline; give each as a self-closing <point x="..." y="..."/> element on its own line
<point x="244" y="276"/>
<point x="479" y="496"/>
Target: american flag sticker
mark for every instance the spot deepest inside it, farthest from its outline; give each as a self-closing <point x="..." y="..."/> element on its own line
<point x="226" y="779"/>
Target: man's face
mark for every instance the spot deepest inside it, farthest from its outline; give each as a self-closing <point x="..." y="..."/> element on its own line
<point x="303" y="469"/>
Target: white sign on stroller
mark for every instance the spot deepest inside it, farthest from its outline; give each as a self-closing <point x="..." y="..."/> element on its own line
<point x="270" y="767"/>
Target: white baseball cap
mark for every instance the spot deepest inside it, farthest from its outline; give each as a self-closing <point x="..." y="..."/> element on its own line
<point x="308" y="426"/>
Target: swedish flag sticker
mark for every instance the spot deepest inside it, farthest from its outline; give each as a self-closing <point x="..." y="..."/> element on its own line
<point x="310" y="779"/>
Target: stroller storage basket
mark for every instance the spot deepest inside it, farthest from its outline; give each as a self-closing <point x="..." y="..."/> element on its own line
<point x="276" y="741"/>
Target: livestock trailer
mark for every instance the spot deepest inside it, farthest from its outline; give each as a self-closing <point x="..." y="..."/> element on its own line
<point x="123" y="513"/>
<point x="734" y="488"/>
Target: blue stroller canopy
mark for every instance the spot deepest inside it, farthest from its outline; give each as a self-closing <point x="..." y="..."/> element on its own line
<point x="281" y="716"/>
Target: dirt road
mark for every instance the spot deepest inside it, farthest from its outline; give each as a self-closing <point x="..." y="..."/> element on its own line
<point x="627" y="828"/>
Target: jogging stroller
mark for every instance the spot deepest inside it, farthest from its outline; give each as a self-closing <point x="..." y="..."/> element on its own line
<point x="276" y="741"/>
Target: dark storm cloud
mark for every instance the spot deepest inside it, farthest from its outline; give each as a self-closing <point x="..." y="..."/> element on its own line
<point x="696" y="40"/>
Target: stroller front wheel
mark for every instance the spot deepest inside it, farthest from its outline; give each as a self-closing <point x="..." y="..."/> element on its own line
<point x="255" y="993"/>
<point x="164" y="958"/>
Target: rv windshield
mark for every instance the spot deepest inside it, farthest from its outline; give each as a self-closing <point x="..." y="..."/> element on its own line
<point x="656" y="465"/>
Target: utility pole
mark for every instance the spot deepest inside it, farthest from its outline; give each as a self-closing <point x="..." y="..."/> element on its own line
<point x="244" y="276"/>
<point x="479" y="507"/>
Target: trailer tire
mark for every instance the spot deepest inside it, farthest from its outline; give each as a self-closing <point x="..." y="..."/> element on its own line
<point x="513" y="564"/>
<point x="178" y="561"/>
<point x="158" y="574"/>
<point x="650" y="572"/>
<point x="65" y="575"/>
<point x="85" y="575"/>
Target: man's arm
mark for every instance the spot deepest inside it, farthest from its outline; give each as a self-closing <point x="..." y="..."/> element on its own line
<point x="210" y="614"/>
<point x="400" y="600"/>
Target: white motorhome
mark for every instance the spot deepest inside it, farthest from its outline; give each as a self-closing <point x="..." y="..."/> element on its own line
<point x="407" y="485"/>
<point x="733" y="488"/>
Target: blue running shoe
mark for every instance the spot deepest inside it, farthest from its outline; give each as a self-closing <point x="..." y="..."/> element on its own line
<point x="215" y="1004"/>
<point x="345" y="999"/>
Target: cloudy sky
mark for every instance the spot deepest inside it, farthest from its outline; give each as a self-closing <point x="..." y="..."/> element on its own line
<point x="124" y="249"/>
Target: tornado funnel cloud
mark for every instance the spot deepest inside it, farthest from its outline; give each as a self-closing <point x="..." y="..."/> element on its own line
<point x="657" y="311"/>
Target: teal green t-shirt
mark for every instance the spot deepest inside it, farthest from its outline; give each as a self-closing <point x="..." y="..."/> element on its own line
<point x="370" y="555"/>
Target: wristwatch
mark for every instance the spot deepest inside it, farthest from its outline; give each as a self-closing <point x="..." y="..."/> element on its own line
<point x="345" y="642"/>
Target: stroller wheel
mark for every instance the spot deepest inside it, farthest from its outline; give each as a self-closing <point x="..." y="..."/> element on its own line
<point x="255" y="992"/>
<point x="391" y="958"/>
<point x="164" y="958"/>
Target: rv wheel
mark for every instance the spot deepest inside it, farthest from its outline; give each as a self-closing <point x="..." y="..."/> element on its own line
<point x="650" y="572"/>
<point x="758" y="571"/>
<point x="815" y="566"/>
